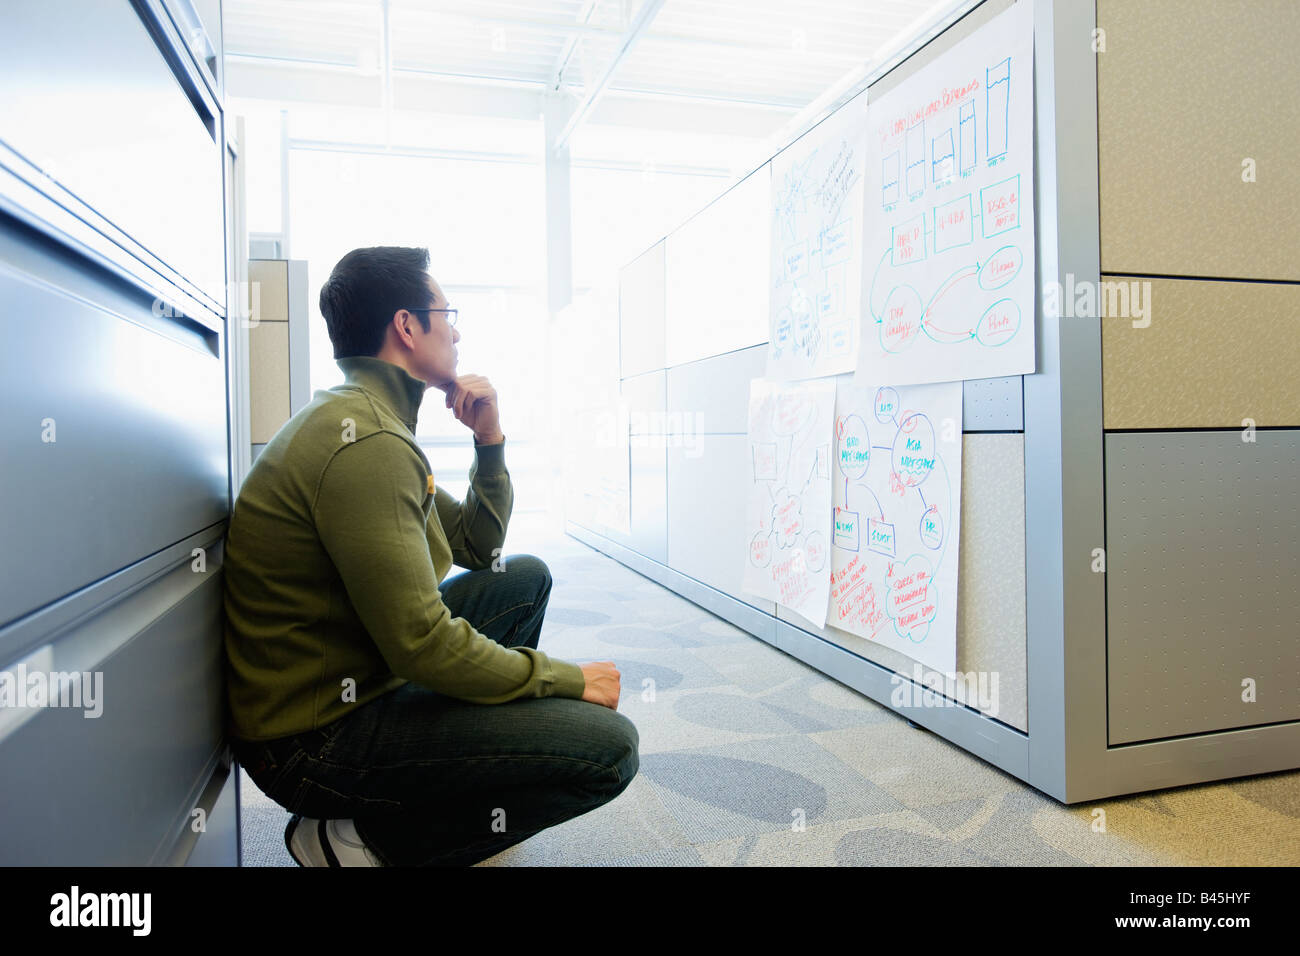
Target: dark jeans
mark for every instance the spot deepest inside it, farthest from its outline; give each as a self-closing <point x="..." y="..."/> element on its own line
<point x="429" y="780"/>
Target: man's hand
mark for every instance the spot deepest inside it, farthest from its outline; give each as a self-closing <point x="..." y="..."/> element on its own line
<point x="602" y="683"/>
<point x="473" y="401"/>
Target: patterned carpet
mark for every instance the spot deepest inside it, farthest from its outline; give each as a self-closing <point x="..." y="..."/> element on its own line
<point x="751" y="758"/>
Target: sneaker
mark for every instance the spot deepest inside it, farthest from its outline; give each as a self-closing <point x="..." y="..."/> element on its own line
<point x="326" y="843"/>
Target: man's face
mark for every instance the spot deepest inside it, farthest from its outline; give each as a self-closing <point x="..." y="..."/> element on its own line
<point x="436" y="351"/>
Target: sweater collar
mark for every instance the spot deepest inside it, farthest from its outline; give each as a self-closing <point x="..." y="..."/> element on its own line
<point x="398" y="389"/>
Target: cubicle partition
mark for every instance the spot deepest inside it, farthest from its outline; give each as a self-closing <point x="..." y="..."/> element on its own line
<point x="1130" y="511"/>
<point x="279" y="359"/>
<point x="115" y="488"/>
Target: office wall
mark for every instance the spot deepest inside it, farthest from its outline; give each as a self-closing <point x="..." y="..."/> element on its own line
<point x="641" y="307"/>
<point x="706" y="518"/>
<point x="1143" y="484"/>
<point x="1198" y="133"/>
<point x="714" y="331"/>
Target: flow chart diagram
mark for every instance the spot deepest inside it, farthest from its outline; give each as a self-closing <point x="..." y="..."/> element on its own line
<point x="817" y="195"/>
<point x="896" y="525"/>
<point x="948" y="291"/>
<point x="789" y="506"/>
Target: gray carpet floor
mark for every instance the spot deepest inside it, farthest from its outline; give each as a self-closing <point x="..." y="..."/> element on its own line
<point x="751" y="758"/>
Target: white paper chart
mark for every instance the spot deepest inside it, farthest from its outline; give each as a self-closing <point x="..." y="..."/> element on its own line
<point x="816" y="257"/>
<point x="897" y="504"/>
<point x="788" y="526"/>
<point x="948" y="241"/>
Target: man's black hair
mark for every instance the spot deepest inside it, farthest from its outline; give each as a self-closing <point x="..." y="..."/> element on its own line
<point x="365" y="289"/>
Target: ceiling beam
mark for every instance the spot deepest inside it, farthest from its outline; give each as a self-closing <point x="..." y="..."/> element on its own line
<point x="578" y="28"/>
<point x="570" y="44"/>
<point x="644" y="16"/>
<point x="416" y="93"/>
<point x="323" y="66"/>
<point x="386" y="62"/>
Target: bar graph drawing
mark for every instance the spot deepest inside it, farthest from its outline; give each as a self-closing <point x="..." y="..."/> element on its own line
<point x="966" y="136"/>
<point x="889" y="180"/>
<point x="943" y="157"/>
<point x="916" y="159"/>
<point x="997" y="90"/>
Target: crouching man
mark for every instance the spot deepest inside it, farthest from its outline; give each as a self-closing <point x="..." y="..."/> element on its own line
<point x="405" y="718"/>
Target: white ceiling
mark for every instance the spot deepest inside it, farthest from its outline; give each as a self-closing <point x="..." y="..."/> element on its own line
<point x="771" y="57"/>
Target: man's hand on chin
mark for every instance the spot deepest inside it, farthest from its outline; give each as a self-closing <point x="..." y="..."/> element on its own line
<point x="473" y="401"/>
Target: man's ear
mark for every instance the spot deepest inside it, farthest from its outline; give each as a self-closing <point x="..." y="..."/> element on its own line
<point x="401" y="324"/>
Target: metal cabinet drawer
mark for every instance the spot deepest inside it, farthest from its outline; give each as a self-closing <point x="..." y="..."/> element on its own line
<point x="117" y="787"/>
<point x="92" y="101"/>
<point x="114" y="435"/>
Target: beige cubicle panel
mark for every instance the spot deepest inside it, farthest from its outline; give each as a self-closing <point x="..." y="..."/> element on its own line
<point x="1190" y="95"/>
<point x="990" y="583"/>
<point x="268" y="374"/>
<point x="268" y="348"/>
<point x="1214" y="355"/>
<point x="279" y="365"/>
<point x="268" y="284"/>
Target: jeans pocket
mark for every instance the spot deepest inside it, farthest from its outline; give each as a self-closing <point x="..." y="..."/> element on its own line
<point x="328" y="736"/>
<point x="280" y="780"/>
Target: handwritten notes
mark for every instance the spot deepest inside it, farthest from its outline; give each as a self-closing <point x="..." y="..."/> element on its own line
<point x="788" y="530"/>
<point x="897" y="509"/>
<point x="948" y="234"/>
<point x="816" y="254"/>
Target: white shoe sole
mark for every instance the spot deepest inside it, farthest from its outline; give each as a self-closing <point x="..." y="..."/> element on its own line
<point x="306" y="842"/>
<point x="310" y="845"/>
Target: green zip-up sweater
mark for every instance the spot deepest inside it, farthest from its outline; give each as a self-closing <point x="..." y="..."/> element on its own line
<point x="337" y="544"/>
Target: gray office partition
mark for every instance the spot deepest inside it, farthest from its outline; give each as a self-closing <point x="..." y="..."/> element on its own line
<point x="993" y="404"/>
<point x="1089" y="707"/>
<point x="1072" y="584"/>
<point x="647" y="468"/>
<point x="1197" y="610"/>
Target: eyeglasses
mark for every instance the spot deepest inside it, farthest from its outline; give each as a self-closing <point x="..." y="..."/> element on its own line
<point x="452" y="314"/>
